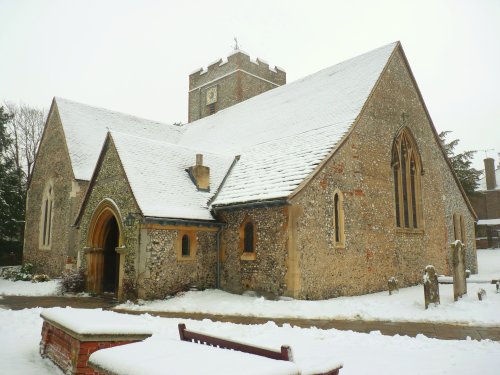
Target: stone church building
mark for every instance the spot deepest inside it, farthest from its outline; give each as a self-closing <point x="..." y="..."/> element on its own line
<point x="323" y="187"/>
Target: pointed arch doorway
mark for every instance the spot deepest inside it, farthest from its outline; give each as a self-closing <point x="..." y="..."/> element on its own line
<point x="105" y="251"/>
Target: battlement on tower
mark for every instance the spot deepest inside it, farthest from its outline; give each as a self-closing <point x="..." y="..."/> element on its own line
<point x="229" y="81"/>
<point x="237" y="61"/>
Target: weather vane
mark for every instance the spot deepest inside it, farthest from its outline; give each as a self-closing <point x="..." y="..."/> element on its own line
<point x="236" y="46"/>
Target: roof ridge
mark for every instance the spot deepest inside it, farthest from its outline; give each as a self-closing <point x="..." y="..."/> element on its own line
<point x="158" y="141"/>
<point x="292" y="84"/>
<point x="58" y="99"/>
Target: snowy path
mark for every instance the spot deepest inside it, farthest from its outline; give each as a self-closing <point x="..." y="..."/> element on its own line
<point x="360" y="353"/>
<point x="407" y="305"/>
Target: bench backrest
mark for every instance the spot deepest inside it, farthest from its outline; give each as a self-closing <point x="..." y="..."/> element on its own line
<point x="285" y="354"/>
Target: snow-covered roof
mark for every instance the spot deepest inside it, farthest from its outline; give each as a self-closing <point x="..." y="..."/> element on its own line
<point x="481" y="186"/>
<point x="281" y="135"/>
<point x="284" y="133"/>
<point x="85" y="128"/>
<point x="157" y="175"/>
<point x="489" y="222"/>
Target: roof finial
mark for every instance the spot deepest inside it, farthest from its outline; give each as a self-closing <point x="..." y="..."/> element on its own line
<point x="236" y="46"/>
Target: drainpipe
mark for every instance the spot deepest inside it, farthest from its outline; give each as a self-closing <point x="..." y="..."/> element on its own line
<point x="217" y="238"/>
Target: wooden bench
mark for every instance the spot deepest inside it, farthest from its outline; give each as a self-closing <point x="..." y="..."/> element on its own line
<point x="285" y="354"/>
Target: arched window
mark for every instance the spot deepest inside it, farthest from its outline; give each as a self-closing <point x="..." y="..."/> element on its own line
<point x="46" y="216"/>
<point x="248" y="241"/>
<point x="249" y="245"/>
<point x="407" y="169"/>
<point x="338" y="218"/>
<point x="185" y="246"/>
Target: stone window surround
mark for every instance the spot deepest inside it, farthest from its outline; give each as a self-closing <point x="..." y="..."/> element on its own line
<point x="247" y="255"/>
<point x="412" y="184"/>
<point x="192" y="245"/>
<point x="46" y="218"/>
<point x="338" y="215"/>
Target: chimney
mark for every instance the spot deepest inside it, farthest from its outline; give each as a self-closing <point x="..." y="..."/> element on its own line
<point x="200" y="174"/>
<point x="489" y="171"/>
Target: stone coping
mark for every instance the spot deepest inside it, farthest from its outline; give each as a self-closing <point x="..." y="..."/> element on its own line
<point x="98" y="325"/>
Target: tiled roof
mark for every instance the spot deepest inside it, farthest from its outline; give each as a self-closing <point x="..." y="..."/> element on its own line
<point x="284" y="133"/>
<point x="85" y="128"/>
<point x="157" y="175"/>
<point x="281" y="135"/>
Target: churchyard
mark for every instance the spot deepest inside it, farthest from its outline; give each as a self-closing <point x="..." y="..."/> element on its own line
<point x="358" y="352"/>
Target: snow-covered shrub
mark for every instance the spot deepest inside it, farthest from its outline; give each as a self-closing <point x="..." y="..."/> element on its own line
<point x="25" y="273"/>
<point x="72" y="282"/>
<point x="40" y="278"/>
<point x="7" y="273"/>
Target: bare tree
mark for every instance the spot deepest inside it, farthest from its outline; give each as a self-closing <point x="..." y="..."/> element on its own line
<point x="26" y="129"/>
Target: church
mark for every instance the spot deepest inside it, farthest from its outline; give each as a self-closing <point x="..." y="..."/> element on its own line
<point x="323" y="187"/>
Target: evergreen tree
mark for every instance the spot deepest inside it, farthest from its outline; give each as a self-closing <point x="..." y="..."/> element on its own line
<point x="11" y="196"/>
<point x="461" y="164"/>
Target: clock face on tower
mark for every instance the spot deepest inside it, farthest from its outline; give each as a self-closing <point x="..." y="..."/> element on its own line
<point x="211" y="95"/>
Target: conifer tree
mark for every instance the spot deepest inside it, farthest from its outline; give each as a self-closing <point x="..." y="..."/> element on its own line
<point x="461" y="164"/>
<point x="11" y="198"/>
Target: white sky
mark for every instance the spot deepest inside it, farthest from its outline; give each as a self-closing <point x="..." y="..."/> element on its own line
<point x="135" y="56"/>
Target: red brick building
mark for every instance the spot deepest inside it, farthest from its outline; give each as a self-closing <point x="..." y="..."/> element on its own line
<point x="486" y="203"/>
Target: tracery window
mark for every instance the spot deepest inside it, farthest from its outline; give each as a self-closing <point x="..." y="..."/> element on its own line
<point x="338" y="218"/>
<point x="46" y="216"/>
<point x="407" y="169"/>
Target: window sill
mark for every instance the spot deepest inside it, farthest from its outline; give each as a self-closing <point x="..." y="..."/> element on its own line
<point x="190" y="258"/>
<point x="410" y="231"/>
<point x="248" y="256"/>
<point x="340" y="246"/>
<point x="45" y="248"/>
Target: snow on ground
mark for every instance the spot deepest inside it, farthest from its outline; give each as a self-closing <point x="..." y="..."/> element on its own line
<point x="407" y="305"/>
<point x="20" y="333"/>
<point x="27" y="288"/>
<point x="360" y="353"/>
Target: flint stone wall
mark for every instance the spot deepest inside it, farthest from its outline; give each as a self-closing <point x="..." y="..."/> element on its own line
<point x="165" y="274"/>
<point x="265" y="274"/>
<point x="53" y="164"/>
<point x="361" y="169"/>
<point x="111" y="183"/>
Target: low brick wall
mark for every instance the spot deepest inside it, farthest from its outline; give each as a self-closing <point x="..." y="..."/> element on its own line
<point x="71" y="351"/>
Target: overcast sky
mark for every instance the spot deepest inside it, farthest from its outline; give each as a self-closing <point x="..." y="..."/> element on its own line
<point x="136" y="56"/>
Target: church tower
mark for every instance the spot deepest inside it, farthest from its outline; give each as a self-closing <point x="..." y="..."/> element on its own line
<point x="230" y="81"/>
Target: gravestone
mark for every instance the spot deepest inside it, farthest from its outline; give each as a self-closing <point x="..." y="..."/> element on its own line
<point x="459" y="276"/>
<point x="392" y="283"/>
<point x="431" y="287"/>
<point x="481" y="294"/>
<point x="498" y="286"/>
